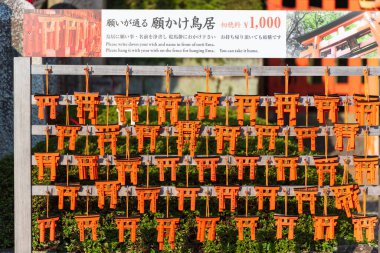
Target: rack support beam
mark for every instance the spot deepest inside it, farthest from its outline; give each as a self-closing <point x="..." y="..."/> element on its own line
<point x="22" y="155"/>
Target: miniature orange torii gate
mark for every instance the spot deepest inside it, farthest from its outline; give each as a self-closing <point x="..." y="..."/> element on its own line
<point x="366" y="166"/>
<point x="188" y="132"/>
<point x="147" y="193"/>
<point x="324" y="226"/>
<point x="87" y="221"/>
<point x="47" y="161"/>
<point x="46" y="100"/>
<point x="364" y="222"/>
<point x="130" y="165"/>
<point x="47" y="223"/>
<point x="87" y="102"/>
<point x="107" y="133"/>
<point x="127" y="223"/>
<point x="285" y="220"/>
<point x="206" y="223"/>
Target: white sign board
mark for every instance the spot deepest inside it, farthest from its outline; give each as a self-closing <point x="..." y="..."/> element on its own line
<point x="193" y="33"/>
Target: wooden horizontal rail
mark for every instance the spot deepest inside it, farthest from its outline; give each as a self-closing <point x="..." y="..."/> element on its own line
<point x="235" y="71"/>
<point x="41" y="130"/>
<point x="40" y="190"/>
<point x="192" y="102"/>
<point x="190" y="160"/>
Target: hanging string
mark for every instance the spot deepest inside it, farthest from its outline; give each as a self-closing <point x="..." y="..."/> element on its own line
<point x="47" y="138"/>
<point x="167" y="141"/>
<point x="345" y="105"/>
<point x="127" y="202"/>
<point x="86" y="149"/>
<point x="306" y="171"/>
<point x="366" y="86"/>
<point x="325" y="202"/>
<point x="267" y="111"/>
<point x="286" y="132"/>
<point x="67" y="169"/>
<point x="208" y="72"/>
<point x="187" y="100"/>
<point x="67" y="110"/>
<point x="246" y="203"/>
<point x="326" y="143"/>
<point x="87" y="71"/>
<point x="147" y="109"/>
<point x="47" y="204"/>
<point x="127" y="73"/>
<point x="207" y="134"/>
<point x="168" y="72"/>
<point x="326" y="81"/>
<point x="187" y="171"/>
<point x="47" y="71"/>
<point x="286" y="73"/>
<point x="87" y="202"/>
<point x="246" y="72"/>
<point x="364" y="201"/>
<point x="167" y="203"/>
<point x="107" y="167"/>
<point x="227" y="169"/>
<point x="107" y="108"/>
<point x="286" y="201"/>
<point x="147" y="173"/>
<point x="307" y="112"/>
<point x="266" y="172"/>
<point x="345" y="172"/>
<point x="366" y="142"/>
<point x="246" y="142"/>
<point x="127" y="143"/>
<point x="227" y="109"/>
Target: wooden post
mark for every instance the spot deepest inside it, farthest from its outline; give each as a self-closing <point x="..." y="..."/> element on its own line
<point x="378" y="203"/>
<point x="22" y="155"/>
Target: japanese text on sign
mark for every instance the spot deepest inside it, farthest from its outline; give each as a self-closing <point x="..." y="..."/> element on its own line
<point x="193" y="33"/>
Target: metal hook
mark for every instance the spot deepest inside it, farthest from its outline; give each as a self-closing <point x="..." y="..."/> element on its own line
<point x="327" y="70"/>
<point x="49" y="70"/>
<point x="127" y="190"/>
<point x="248" y="129"/>
<point x="168" y="191"/>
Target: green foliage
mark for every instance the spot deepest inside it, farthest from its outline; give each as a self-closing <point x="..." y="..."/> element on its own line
<point x="364" y="38"/>
<point x="316" y="19"/>
<point x="6" y="202"/>
<point x="302" y="22"/>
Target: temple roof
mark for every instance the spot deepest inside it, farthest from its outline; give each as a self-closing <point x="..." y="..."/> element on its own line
<point x="328" y="26"/>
